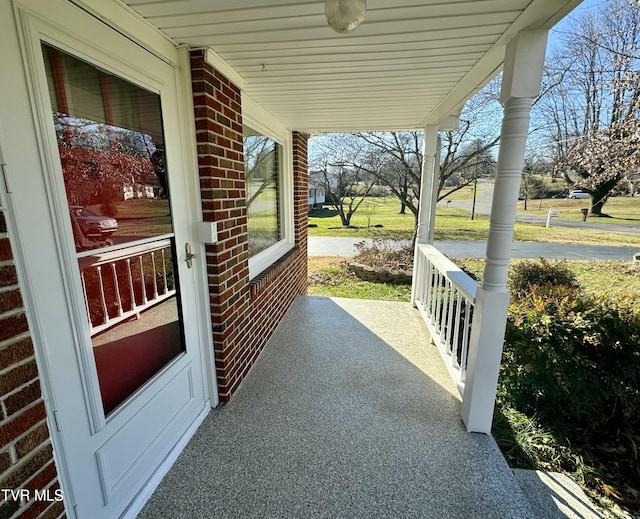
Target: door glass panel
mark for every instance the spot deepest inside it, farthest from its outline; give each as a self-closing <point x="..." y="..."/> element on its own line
<point x="111" y="145"/>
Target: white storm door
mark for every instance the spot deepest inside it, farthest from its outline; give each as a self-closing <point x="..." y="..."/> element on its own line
<point x="126" y="361"/>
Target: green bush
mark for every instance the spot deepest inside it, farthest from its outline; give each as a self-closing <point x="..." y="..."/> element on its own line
<point x="527" y="274"/>
<point x="574" y="362"/>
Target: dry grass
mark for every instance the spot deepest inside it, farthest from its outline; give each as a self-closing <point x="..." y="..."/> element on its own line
<point x="325" y="262"/>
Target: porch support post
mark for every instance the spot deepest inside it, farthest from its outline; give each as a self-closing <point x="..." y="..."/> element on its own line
<point x="428" y="186"/>
<point x="524" y="61"/>
<point x="428" y="197"/>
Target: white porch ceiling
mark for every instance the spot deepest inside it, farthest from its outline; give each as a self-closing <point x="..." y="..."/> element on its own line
<point x="411" y="63"/>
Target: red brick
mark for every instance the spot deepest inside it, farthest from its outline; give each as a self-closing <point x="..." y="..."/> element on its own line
<point x="24" y="471"/>
<point x="23" y="398"/>
<point x="12" y="326"/>
<point x="5" y="461"/>
<point x="43" y="478"/>
<point x="21" y="423"/>
<point x="10" y="300"/>
<point x="17" y="377"/>
<point x="8" y="508"/>
<point x="8" y="276"/>
<point x="54" y="511"/>
<point x="32" y="440"/>
<point x="5" y="249"/>
<point x="34" y="509"/>
<point x="14" y="353"/>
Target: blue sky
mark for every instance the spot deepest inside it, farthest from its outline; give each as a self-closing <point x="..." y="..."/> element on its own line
<point x="556" y="33"/>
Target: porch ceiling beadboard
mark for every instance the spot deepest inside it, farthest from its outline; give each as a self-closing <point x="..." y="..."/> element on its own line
<point x="410" y="64"/>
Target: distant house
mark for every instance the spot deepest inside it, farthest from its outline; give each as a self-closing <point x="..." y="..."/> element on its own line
<point x="138" y="191"/>
<point x="316" y="198"/>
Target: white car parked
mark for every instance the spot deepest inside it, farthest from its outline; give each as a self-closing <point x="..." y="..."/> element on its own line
<point x="579" y="194"/>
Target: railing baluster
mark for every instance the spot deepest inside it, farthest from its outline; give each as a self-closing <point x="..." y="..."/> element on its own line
<point x="450" y="311"/>
<point x="442" y="321"/>
<point x="142" y="283"/>
<point x="103" y="300"/>
<point x="86" y="300"/>
<point x="438" y="299"/>
<point x="426" y="293"/>
<point x="164" y="272"/>
<point x="456" y="327"/>
<point x="465" y="341"/>
<point x="155" y="274"/>
<point x="131" y="290"/>
<point x="429" y="291"/>
<point x="117" y="287"/>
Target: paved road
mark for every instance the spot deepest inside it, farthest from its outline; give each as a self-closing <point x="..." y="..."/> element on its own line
<point x="329" y="246"/>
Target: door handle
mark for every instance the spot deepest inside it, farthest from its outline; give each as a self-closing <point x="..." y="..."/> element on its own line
<point x="189" y="256"/>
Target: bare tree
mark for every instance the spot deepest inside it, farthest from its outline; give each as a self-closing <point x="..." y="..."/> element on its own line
<point x="345" y="189"/>
<point x="336" y="170"/>
<point x="397" y="164"/>
<point x="592" y="110"/>
<point x="394" y="160"/>
<point x="260" y="165"/>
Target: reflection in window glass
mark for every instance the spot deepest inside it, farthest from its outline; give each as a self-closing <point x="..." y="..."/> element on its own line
<point x="111" y="146"/>
<point x="262" y="156"/>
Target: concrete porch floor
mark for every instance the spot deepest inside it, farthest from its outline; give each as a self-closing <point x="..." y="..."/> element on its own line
<point x="349" y="413"/>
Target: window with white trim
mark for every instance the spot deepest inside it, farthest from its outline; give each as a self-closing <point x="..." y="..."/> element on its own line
<point x="268" y="166"/>
<point x="262" y="166"/>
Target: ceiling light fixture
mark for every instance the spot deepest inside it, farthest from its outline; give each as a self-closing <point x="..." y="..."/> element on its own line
<point x="343" y="16"/>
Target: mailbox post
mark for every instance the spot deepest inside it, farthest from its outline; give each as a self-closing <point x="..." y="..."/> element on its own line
<point x="585" y="212"/>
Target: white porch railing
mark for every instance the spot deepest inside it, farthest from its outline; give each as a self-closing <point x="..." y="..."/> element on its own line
<point x="445" y="296"/>
<point x="121" y="284"/>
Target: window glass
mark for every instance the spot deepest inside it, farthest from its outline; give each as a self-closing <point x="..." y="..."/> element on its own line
<point x="110" y="142"/>
<point x="262" y="163"/>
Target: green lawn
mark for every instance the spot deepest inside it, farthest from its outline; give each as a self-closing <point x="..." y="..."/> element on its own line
<point x="622" y="210"/>
<point x="456" y="224"/>
<point x="381" y="219"/>
<point x="465" y="193"/>
<point x="157" y="209"/>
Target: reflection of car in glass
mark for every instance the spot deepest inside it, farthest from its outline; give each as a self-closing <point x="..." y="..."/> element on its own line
<point x="579" y="194"/>
<point x="93" y="224"/>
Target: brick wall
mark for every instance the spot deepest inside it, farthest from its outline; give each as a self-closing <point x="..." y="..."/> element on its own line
<point x="244" y="313"/>
<point x="26" y="455"/>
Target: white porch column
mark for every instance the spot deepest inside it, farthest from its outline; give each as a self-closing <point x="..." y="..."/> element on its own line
<point x="428" y="193"/>
<point x="524" y="60"/>
<point x="428" y="186"/>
